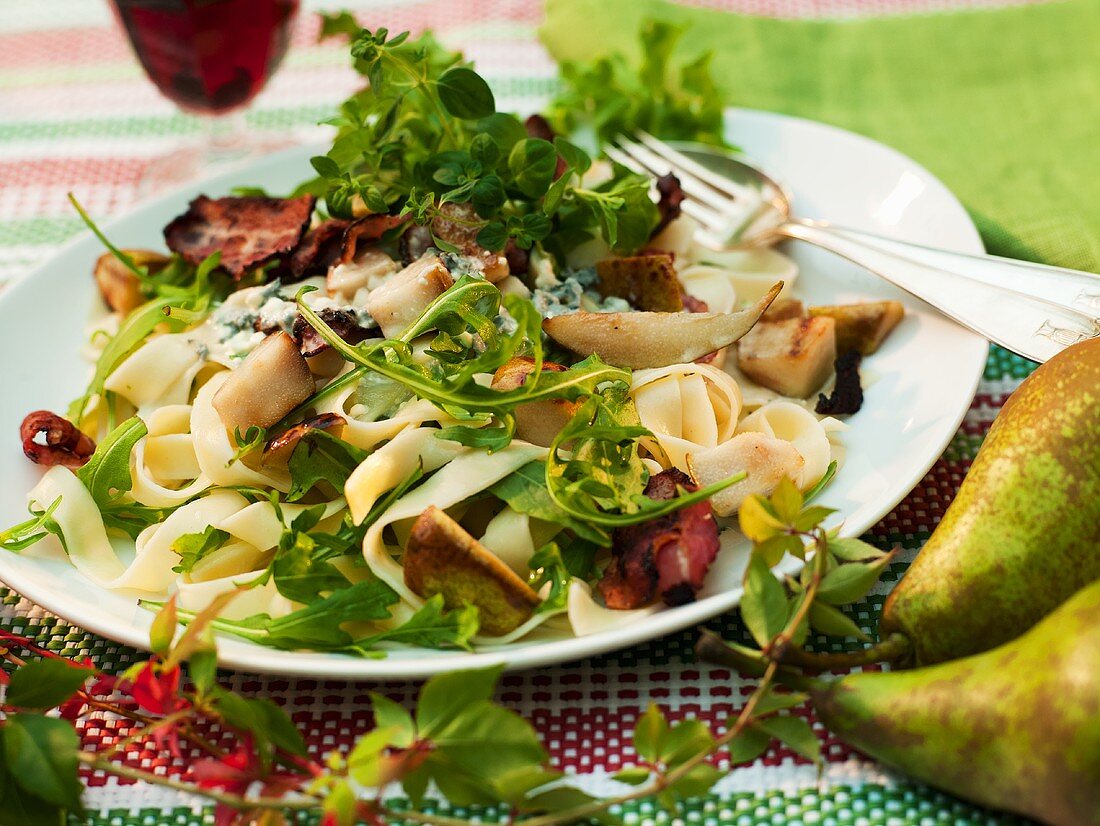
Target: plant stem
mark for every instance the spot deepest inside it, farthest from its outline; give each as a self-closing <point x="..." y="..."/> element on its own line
<point x="894" y="648"/>
<point x="95" y="761"/>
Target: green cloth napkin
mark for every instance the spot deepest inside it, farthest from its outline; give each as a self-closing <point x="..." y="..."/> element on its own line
<point x="1003" y="105"/>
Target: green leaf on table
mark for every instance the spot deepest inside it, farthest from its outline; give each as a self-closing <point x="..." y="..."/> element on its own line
<point x="369" y="763"/>
<point x="829" y="620"/>
<point x="685" y="740"/>
<point x="633" y="776"/>
<point x="764" y="603"/>
<point x="163" y="628"/>
<point x="40" y="753"/>
<point x="786" y="501"/>
<point x="649" y="734"/>
<point x="444" y="697"/>
<point x="107" y="473"/>
<point x="795" y="733"/>
<point x="46" y="683"/>
<point x="270" y="726"/>
<point x="748" y="745"/>
<point x="321" y="457"/>
<point x="487" y="741"/>
<point x="773" y="701"/>
<point x="852" y="549"/>
<point x="850" y="581"/>
<point x="698" y="781"/>
<point x="392" y="715"/>
<point x="758" y="520"/>
<point x="811" y="518"/>
<point x="565" y="798"/>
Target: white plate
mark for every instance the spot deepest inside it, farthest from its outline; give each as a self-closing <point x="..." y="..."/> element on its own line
<point x="928" y="369"/>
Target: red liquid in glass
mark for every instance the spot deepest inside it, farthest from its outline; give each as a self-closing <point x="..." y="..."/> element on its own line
<point x="209" y="56"/>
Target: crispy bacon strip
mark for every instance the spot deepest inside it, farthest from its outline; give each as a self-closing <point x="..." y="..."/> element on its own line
<point x="367" y="230"/>
<point x="668" y="556"/>
<point x="247" y="231"/>
<point x="319" y="249"/>
<point x="342" y="322"/>
<point x="64" y="444"/>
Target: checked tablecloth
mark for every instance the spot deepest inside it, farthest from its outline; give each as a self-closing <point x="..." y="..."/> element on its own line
<point x="76" y="113"/>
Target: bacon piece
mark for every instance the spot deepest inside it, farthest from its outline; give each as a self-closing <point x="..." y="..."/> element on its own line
<point x="248" y="231"/>
<point x="367" y="230"/>
<point x="65" y="444"/>
<point x="667" y="556"/>
<point x="343" y="323"/>
<point x="668" y="207"/>
<point x="319" y="249"/>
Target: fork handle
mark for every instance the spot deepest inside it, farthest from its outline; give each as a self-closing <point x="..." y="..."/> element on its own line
<point x="1031" y="309"/>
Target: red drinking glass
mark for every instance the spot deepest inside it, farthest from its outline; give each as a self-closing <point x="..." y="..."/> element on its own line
<point x="211" y="58"/>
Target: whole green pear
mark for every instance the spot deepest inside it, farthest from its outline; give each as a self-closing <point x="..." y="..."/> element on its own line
<point x="1023" y="534"/>
<point x="1015" y="728"/>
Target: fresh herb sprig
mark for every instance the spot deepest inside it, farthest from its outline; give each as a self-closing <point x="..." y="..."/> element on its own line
<point x="425" y="137"/>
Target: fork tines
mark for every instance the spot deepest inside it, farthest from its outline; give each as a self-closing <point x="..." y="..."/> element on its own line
<point x="710" y="197"/>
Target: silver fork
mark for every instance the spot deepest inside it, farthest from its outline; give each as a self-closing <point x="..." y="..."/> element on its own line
<point x="1031" y="309"/>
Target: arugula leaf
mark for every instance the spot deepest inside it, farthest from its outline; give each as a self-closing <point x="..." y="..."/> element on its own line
<point x="321" y="457"/>
<point x="22" y="536"/>
<point x="107" y="473"/>
<point x="429" y="627"/>
<point x="302" y="569"/>
<point x="525" y="491"/>
<point x="466" y="307"/>
<point x="548" y="566"/>
<point x="603" y="480"/>
<point x="193" y="547"/>
<point x="316" y="626"/>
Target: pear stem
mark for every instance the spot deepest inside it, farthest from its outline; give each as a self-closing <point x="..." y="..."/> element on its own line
<point x="894" y="648"/>
<point x="714" y="649"/>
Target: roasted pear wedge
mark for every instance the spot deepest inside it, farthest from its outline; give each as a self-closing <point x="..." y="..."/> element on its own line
<point x="639" y="340"/>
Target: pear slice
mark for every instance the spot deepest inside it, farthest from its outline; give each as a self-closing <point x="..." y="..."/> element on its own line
<point x="640" y="340"/>
<point x="536" y="422"/>
<point x="442" y="558"/>
<point x="271" y="382"/>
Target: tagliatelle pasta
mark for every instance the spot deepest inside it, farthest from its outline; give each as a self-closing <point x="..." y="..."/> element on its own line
<point x="412" y="420"/>
<point x="688" y="407"/>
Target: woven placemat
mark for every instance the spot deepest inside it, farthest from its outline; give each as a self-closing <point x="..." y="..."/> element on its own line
<point x="76" y="113"/>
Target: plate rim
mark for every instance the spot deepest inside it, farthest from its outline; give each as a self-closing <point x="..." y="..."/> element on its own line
<point x="238" y="655"/>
